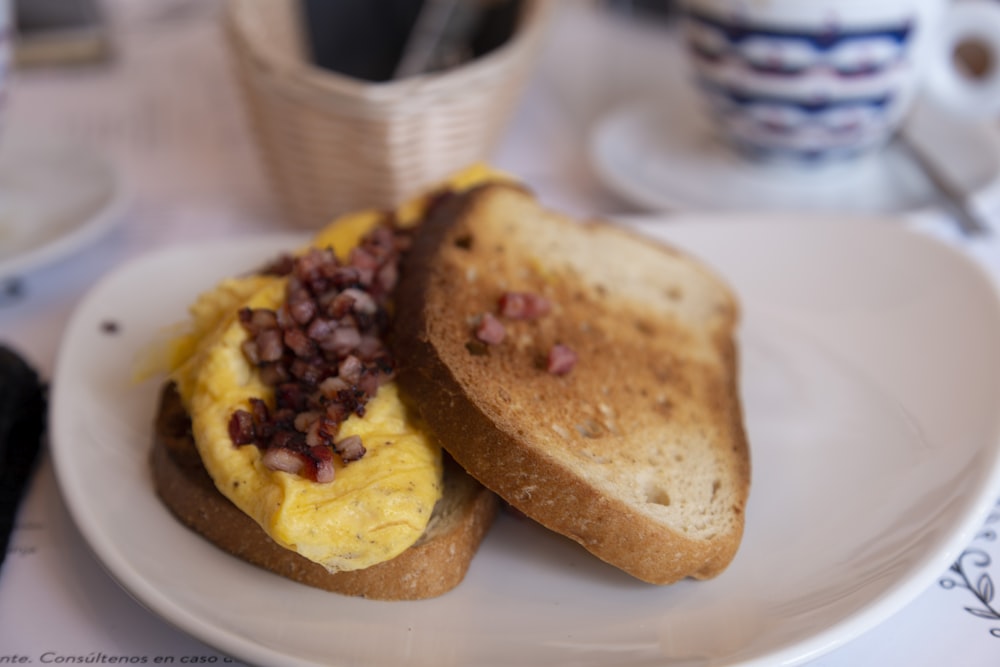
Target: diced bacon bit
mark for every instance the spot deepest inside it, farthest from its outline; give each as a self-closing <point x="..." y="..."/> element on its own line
<point x="281" y="266"/>
<point x="523" y="306"/>
<point x="251" y="351"/>
<point x="561" y="360"/>
<point x="490" y="330"/>
<point x="302" y="308"/>
<point x="269" y="345"/>
<point x="362" y="302"/>
<point x="323" y="352"/>
<point x="286" y="460"/>
<point x="350" y="448"/>
<point x="323" y="460"/>
<point x="350" y="369"/>
<point x="332" y="385"/>
<point x="298" y="342"/>
<point x="296" y="456"/>
<point x="241" y="430"/>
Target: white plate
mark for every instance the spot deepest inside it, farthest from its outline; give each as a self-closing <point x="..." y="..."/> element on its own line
<point x="871" y="377"/>
<point x="665" y="154"/>
<point x="55" y="198"/>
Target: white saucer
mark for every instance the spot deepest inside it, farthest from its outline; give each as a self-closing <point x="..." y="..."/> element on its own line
<point x="666" y="155"/>
<point x="56" y="197"/>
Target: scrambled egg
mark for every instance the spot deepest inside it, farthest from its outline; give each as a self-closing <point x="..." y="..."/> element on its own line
<point x="376" y="507"/>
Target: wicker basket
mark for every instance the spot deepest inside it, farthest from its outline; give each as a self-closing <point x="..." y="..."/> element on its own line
<point x="333" y="144"/>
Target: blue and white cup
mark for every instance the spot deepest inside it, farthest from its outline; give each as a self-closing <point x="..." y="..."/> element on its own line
<point x="824" y="80"/>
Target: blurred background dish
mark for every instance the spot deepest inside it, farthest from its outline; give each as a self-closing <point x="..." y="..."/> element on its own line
<point x="56" y="197"/>
<point x="832" y="80"/>
<point x="667" y="155"/>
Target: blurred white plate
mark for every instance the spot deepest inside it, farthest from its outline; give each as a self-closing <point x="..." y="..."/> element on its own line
<point x="870" y="376"/>
<point x="55" y="198"/>
<point x="665" y="155"/>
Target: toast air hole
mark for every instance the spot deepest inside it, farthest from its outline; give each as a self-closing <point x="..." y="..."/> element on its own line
<point x="464" y="242"/>
<point x="645" y="328"/>
<point x="476" y="348"/>
<point x="657" y="496"/>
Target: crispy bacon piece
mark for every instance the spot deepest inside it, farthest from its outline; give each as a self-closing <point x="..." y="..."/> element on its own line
<point x="269" y="345"/>
<point x="322" y="460"/>
<point x="241" y="430"/>
<point x="287" y="460"/>
<point x="490" y="330"/>
<point x="323" y="353"/>
<point x="523" y="306"/>
<point x="561" y="360"/>
<point x="350" y="448"/>
<point x="513" y="305"/>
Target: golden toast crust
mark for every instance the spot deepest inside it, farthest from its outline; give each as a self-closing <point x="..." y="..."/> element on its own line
<point x="639" y="453"/>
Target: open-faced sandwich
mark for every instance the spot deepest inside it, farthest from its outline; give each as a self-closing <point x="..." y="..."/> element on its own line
<point x="281" y="437"/>
<point x="344" y="416"/>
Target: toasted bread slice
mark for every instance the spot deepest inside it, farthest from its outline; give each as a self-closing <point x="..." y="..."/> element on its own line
<point x="639" y="452"/>
<point x="434" y="565"/>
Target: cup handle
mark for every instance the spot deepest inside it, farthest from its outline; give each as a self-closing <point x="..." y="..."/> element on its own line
<point x="973" y="21"/>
